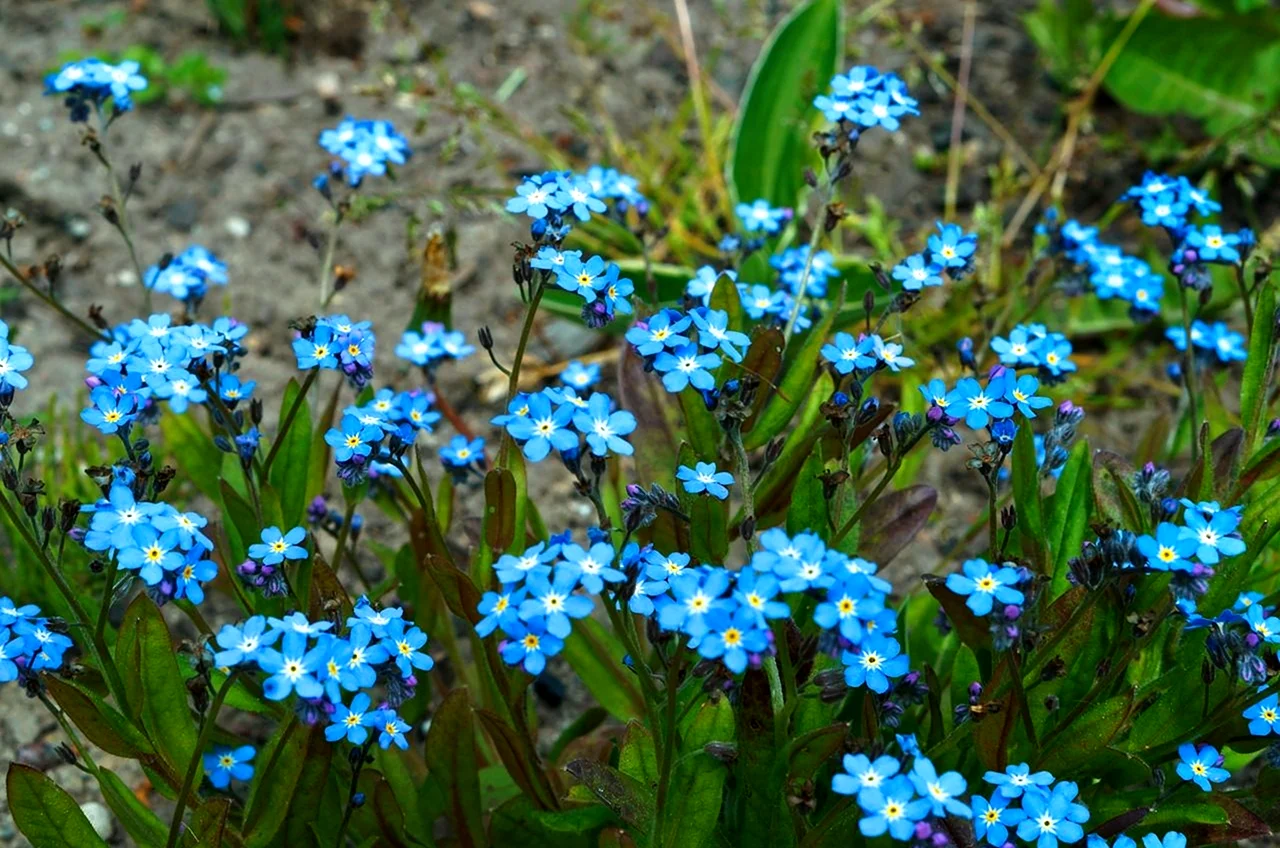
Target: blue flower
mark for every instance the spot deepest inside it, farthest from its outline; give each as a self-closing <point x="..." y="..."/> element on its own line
<point x="180" y="389"/>
<point x="942" y="791"/>
<point x="316" y="351"/>
<point x="195" y="571"/>
<point x="1165" y="209"/>
<point x="460" y="453"/>
<point x="644" y="589"/>
<point x="242" y="645"/>
<point x="292" y="668"/>
<point x="877" y="659"/>
<point x="529" y="645"/>
<point x="276" y="546"/>
<point x="1172" y="839"/>
<point x="978" y="405"/>
<point x="878" y="110"/>
<point x="703" y="283"/>
<point x="916" y="272"/>
<point x="1200" y="767"/>
<point x="151" y="554"/>
<point x="685" y="366"/>
<point x="761" y="217"/>
<point x="584" y="278"/>
<point x="351" y="722"/>
<point x="1168" y="550"/>
<point x="890" y="354"/>
<point x="554" y="602"/>
<point x="846" y="607"/>
<point x="951" y="247"/>
<point x="992" y="818"/>
<point x="1046" y="819"/>
<point x="731" y="637"/>
<point x="705" y="478"/>
<point x="665" y="567"/>
<point x="500" y="609"/>
<point x="861" y="773"/>
<point x="1226" y="343"/>
<point x="759" y="301"/>
<point x="391" y="730"/>
<point x="580" y="376"/>
<point x="1016" y="349"/>
<point x="1021" y="392"/>
<point x="532" y="563"/>
<point x="696" y="593"/>
<point x="891" y="808"/>
<point x="403" y="645"/>
<point x="1213" y="535"/>
<point x="576" y="195"/>
<point x="11" y="646"/>
<point x="756" y="592"/>
<point x="714" y="333"/>
<point x="846" y="354"/>
<point x="110" y="412"/>
<point x="1266" y="626"/>
<point x="1264" y="716"/>
<point x="1017" y="779"/>
<point x="661" y="331"/>
<point x="544" y="428"/>
<point x="1051" y="355"/>
<point x="604" y="428"/>
<point x="594" y="566"/>
<point x="223" y="765"/>
<point x="14" y="359"/>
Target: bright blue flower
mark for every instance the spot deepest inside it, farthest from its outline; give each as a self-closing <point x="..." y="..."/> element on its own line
<point x="877" y="659"/>
<point x="1021" y="392"/>
<point x="1017" y="779"/>
<point x="847" y="606"/>
<point x="195" y="571"/>
<point x="587" y="279"/>
<point x="296" y="622"/>
<point x="993" y="818"/>
<point x="604" y="428"/>
<point x="242" y="644"/>
<point x="110" y="412"/>
<point x="705" y="478"/>
<point x="1016" y="349"/>
<point x="150" y="554"/>
<point x="594" y="566"/>
<point x="544" y="428"/>
<point x="756" y="592"/>
<point x="351" y="722"/>
<point x="576" y="195"/>
<point x="1200" y="767"/>
<point x="1165" y="209"/>
<point x="935" y="393"/>
<point x="714" y="333"/>
<point x="1172" y="839"/>
<point x="232" y="390"/>
<point x="460" y="453"/>
<point x="1047" y="819"/>
<point x="686" y="366"/>
<point x="891" y="808"/>
<point x="580" y="376"/>
<point x="180" y="389"/>
<point x="318" y="351"/>
<point x="732" y="637"/>
<point x="1052" y="355"/>
<point x="11" y="647"/>
<point x="878" y="109"/>
<point x="703" y="283"/>
<point x="1264" y="716"/>
<point x="943" y="791"/>
<point x="529" y="645"/>
<point x="916" y="272"/>
<point x="761" y="217"/>
<point x="951" y="247"/>
<point x="357" y="658"/>
<point x="1168" y="550"/>
<point x="846" y="354"/>
<point x="1213" y="245"/>
<point x="14" y="359"/>
<point x="696" y="594"/>
<point x="276" y="546"/>
<point x="1266" y="626"/>
<point x="403" y="643"/>
<point x="500" y="609"/>
<point x="643" y="591"/>
<point x="532" y="563"/>
<point x="664" y="567"/>
<point x="1213" y="535"/>
<point x="1226" y="343"/>
<point x="223" y="765"/>
<point x="661" y="331"/>
<point x="536" y="198"/>
<point x="391" y="730"/>
<point x="861" y="773"/>
<point x="803" y="565"/>
<point x="890" y="354"/>
<point x="978" y="405"/>
<point x="292" y="668"/>
<point x="554" y="601"/>
<point x="759" y="301"/>
<point x="11" y="613"/>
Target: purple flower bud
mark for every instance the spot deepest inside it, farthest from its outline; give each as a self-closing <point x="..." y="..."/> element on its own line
<point x="923" y="830"/>
<point x="1012" y="612"/>
<point x="1273" y="429"/>
<point x="934" y="415"/>
<point x="975" y="690"/>
<point x="996" y="372"/>
<point x="93" y="382"/>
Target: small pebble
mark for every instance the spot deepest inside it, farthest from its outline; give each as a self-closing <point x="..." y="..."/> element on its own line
<point x="238" y="227"/>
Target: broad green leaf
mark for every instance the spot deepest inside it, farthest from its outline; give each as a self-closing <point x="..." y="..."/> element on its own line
<point x="759" y="805"/>
<point x="519" y="822"/>
<point x="291" y="466"/>
<point x="1259" y="367"/>
<point x="209" y="822"/>
<point x="1026" y="497"/>
<point x="308" y="777"/>
<point x="136" y="817"/>
<point x="700" y="425"/>
<point x="153" y="681"/>
<point x="795" y="448"/>
<point x="808" y="509"/>
<point x="451" y="755"/>
<point x="596" y="655"/>
<point x="99" y="721"/>
<point x="46" y="814"/>
<point x="240" y="521"/>
<point x="277" y="768"/>
<point x="1069" y="515"/>
<point x="725" y="298"/>
<point x="621" y="793"/>
<point x="1177" y="66"/>
<point x="1090" y="734"/>
<point x="193" y="451"/>
<point x="638" y="757"/>
<point x="697" y="784"/>
<point x="771" y="144"/>
<point x="796" y="386"/>
<point x="499" y="508"/>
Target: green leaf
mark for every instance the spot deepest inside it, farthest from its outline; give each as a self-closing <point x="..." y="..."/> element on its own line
<point x="291" y="466"/>
<point x="796" y="387"/>
<point x="240" y="521"/>
<point x="209" y="822"/>
<point x="519" y="822"/>
<point x="1090" y="734"/>
<point x="193" y="452"/>
<point x="619" y="792"/>
<point x="725" y="298"/>
<point x="700" y="425"/>
<point x="98" y="720"/>
<point x="1026" y="497"/>
<point x="1178" y="66"/>
<point x="136" y="817"/>
<point x="894" y="520"/>
<point x="153" y="682"/>
<point x="697" y="784"/>
<point x="771" y="145"/>
<point x="808" y="509"/>
<point x="1259" y="367"/>
<point x="45" y="814"/>
<point x="596" y="655"/>
<point x="279" y="766"/>
<point x="451" y="755"/>
<point x="308" y="777"/>
<point x="499" y="508"/>
<point x="1069" y="515"/>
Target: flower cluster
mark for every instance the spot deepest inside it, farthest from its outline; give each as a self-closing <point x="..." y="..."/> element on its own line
<point x="1190" y="551"/>
<point x="362" y="148"/>
<point x="863" y="98"/>
<point x="559" y="418"/>
<point x="604" y="292"/>
<point x="1108" y="270"/>
<point x="951" y="251"/>
<point x="300" y="657"/>
<point x="91" y="83"/>
<point x="1214" y="342"/>
<point x="167" y="549"/>
<point x="433" y="344"/>
<point x="337" y="343"/>
<point x="791" y="264"/>
<point x="14" y="359"/>
<point x="374" y="439"/>
<point x="666" y="342"/>
<point x="29" y="642"/>
<point x="187" y="276"/>
<point x="899" y="802"/>
<point x="760" y="217"/>
<point x="153" y="360"/>
<point x="1033" y="346"/>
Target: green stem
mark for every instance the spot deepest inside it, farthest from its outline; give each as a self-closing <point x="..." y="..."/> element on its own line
<point x="1189" y="376"/>
<point x="744" y="481"/>
<point x="206" y="728"/>
<point x="298" y="400"/>
<point x="802" y="287"/>
<point x="513" y="381"/>
<point x="326" y="266"/>
<point x="351" y="793"/>
<point x="100" y="632"/>
<point x="669" y="728"/>
<point x="49" y="300"/>
<point x="992" y="530"/>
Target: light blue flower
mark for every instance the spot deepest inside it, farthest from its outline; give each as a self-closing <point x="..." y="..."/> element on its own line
<point x="705" y="478"/>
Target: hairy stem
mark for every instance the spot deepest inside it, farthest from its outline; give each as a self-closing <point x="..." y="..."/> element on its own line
<point x="206" y="728"/>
